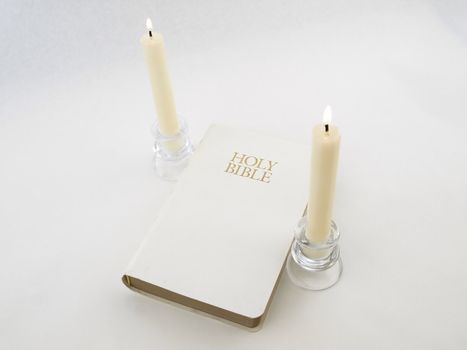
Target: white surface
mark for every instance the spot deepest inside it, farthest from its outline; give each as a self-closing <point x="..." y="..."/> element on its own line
<point x="222" y="238"/>
<point x="77" y="192"/>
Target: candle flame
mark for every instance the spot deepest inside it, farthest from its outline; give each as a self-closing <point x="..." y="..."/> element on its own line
<point x="327" y="115"/>
<point x="149" y="24"/>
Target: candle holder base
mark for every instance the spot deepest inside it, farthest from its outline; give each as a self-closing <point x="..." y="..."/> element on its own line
<point x="311" y="265"/>
<point x="171" y="152"/>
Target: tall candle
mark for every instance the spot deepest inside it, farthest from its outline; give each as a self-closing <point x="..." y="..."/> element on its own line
<point x="154" y="54"/>
<point x="324" y="159"/>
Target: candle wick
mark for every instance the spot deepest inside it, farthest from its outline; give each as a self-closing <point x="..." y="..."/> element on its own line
<point x="326" y="127"/>
<point x="150" y="33"/>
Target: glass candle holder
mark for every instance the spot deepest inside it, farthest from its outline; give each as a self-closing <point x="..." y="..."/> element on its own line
<point x="171" y="152"/>
<point x="312" y="265"/>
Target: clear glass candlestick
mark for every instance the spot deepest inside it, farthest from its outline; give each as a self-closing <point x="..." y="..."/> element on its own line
<point x="311" y="265"/>
<point x="171" y="152"/>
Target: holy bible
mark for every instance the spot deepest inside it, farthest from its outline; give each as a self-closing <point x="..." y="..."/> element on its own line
<point x="221" y="239"/>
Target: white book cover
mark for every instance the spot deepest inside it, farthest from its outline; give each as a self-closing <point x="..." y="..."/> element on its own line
<point x="220" y="241"/>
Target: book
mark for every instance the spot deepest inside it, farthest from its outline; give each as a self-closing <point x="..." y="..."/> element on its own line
<point x="220" y="241"/>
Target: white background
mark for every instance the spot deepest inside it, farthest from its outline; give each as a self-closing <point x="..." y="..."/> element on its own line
<point x="78" y="192"/>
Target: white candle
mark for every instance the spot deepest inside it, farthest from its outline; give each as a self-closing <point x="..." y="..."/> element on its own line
<point x="154" y="54"/>
<point x="324" y="159"/>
